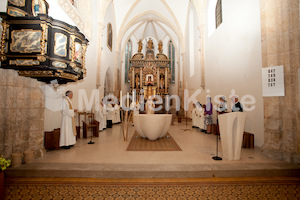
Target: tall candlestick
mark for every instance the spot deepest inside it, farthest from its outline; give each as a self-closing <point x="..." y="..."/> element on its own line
<point x="127" y="99"/>
<point x="121" y="98"/>
<point x="133" y="96"/>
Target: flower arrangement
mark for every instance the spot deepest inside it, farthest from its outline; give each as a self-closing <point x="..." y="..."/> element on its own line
<point x="4" y="163"/>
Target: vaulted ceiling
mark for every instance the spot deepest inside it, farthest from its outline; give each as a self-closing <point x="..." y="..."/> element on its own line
<point x="151" y="18"/>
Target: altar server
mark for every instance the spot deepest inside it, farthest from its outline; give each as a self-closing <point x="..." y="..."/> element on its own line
<point x="68" y="129"/>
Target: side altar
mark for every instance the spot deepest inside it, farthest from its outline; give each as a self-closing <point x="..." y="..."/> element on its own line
<point x="149" y="75"/>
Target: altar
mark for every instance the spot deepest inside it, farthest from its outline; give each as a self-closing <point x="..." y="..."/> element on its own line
<point x="149" y="75"/>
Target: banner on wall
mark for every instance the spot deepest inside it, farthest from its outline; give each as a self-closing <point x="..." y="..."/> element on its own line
<point x="273" y="81"/>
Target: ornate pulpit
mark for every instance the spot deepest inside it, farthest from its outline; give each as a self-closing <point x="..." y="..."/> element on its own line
<point x="39" y="46"/>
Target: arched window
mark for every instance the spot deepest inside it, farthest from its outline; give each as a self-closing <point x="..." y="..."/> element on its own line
<point x="172" y="61"/>
<point x="128" y="51"/>
<point x="218" y="13"/>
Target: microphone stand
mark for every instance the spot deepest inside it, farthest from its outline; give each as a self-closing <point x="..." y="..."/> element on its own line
<point x="92" y="125"/>
<point x="186" y="129"/>
<point x="217" y="157"/>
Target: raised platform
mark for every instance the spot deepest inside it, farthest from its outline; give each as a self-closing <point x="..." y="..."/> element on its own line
<point x="108" y="158"/>
<point x="153" y="170"/>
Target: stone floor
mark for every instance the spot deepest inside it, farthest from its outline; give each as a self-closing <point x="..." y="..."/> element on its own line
<point x="108" y="158"/>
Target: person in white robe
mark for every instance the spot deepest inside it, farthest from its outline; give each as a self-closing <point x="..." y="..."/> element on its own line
<point x="117" y="113"/>
<point x="150" y="106"/>
<point x="99" y="116"/>
<point x="198" y="115"/>
<point x="110" y="115"/>
<point x="135" y="107"/>
<point x="114" y="118"/>
<point x="68" y="129"/>
<point x="104" y="112"/>
<point x="194" y="117"/>
<point x="201" y="118"/>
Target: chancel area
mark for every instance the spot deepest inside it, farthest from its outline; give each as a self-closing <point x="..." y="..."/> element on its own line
<point x="150" y="89"/>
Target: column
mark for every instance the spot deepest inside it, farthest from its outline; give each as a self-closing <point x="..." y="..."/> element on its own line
<point x="280" y="46"/>
<point x="166" y="80"/>
<point x="132" y="78"/>
<point x="141" y="78"/>
<point x="158" y="81"/>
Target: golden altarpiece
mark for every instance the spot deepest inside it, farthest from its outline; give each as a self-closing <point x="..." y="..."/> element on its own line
<point x="149" y="75"/>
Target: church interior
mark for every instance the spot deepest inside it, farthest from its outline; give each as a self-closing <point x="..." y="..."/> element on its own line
<point x="166" y="54"/>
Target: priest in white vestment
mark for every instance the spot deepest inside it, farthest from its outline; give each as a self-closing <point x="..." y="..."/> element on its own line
<point x="68" y="129"/>
<point x="102" y="117"/>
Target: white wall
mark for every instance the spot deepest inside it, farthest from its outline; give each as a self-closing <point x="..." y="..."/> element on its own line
<point x="233" y="59"/>
<point x="53" y="119"/>
<point x="108" y="57"/>
<point x="192" y="64"/>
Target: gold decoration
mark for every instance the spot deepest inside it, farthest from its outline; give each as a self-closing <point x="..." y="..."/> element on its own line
<point x="36" y="73"/>
<point x="140" y="46"/>
<point x="59" y="64"/>
<point x="83" y="57"/>
<point x="68" y="76"/>
<point x="20" y="3"/>
<point x="72" y="46"/>
<point x="16" y="12"/>
<point x="5" y="25"/>
<point x="41" y="58"/>
<point x="43" y="38"/>
<point x="160" y="44"/>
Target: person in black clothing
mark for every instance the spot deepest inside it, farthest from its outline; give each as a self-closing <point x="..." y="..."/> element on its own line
<point x="237" y="107"/>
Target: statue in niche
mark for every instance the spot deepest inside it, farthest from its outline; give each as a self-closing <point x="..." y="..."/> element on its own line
<point x="162" y="83"/>
<point x="140" y="46"/>
<point x="160" y="49"/>
<point x="150" y="44"/>
<point x="149" y="79"/>
<point x="137" y="82"/>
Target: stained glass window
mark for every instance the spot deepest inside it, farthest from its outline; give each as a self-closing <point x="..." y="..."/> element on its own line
<point x="128" y="51"/>
<point x="218" y="12"/>
<point x="172" y="61"/>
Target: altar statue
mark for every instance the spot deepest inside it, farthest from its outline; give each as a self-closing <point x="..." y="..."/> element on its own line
<point x="140" y="46"/>
<point x="162" y="83"/>
<point x="160" y="44"/>
<point x="137" y="82"/>
<point x="150" y="44"/>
